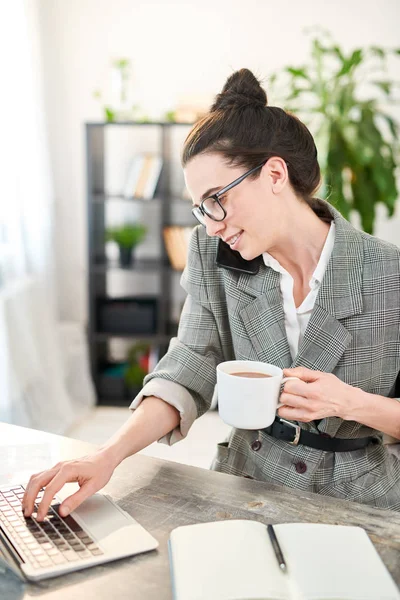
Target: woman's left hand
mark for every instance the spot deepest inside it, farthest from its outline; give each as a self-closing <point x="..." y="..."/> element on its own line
<point x="318" y="395"/>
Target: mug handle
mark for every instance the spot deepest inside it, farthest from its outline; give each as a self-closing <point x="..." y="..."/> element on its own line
<point x="284" y="380"/>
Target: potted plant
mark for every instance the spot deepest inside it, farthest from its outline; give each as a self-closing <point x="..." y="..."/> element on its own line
<point x="344" y="98"/>
<point x="138" y="367"/>
<point x="127" y="236"/>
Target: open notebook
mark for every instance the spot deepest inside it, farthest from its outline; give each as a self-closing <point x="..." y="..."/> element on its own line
<point x="234" y="560"/>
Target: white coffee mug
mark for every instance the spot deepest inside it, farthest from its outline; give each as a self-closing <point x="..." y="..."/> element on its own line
<point x="249" y="402"/>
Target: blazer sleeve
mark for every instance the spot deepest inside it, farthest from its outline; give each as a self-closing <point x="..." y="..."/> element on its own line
<point x="186" y="375"/>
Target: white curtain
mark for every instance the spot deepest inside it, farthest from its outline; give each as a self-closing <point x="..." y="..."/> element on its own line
<point x="33" y="389"/>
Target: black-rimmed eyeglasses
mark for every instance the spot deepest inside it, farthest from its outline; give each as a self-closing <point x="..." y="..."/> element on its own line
<point x="212" y="207"/>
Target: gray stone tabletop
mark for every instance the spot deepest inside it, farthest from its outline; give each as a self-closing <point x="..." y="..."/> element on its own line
<point x="162" y="495"/>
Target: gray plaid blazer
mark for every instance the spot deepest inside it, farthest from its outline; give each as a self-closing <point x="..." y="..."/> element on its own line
<point x="353" y="332"/>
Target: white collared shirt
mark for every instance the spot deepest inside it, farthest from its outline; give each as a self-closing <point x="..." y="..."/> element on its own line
<point x="296" y="319"/>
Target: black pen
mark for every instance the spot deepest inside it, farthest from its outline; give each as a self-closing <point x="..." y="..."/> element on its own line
<point x="277" y="548"/>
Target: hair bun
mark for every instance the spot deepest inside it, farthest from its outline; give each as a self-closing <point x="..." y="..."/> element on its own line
<point x="241" y="89"/>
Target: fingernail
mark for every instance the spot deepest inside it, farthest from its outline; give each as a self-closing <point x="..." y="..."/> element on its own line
<point x="64" y="510"/>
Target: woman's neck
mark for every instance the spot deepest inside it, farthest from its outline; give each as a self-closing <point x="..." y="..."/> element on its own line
<point x="299" y="247"/>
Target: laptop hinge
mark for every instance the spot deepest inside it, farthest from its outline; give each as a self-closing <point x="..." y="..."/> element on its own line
<point x="9" y="557"/>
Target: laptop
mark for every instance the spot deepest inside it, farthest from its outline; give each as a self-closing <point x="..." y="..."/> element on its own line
<point x="98" y="531"/>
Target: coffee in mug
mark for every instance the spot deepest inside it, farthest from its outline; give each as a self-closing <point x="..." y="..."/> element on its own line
<point x="250" y="374"/>
<point x="248" y="393"/>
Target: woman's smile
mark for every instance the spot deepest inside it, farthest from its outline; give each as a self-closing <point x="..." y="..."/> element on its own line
<point x="233" y="240"/>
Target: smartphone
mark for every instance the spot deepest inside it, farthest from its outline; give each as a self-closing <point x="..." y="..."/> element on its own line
<point x="231" y="259"/>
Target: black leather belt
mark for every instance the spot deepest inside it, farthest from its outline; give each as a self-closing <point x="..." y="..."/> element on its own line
<point x="292" y="433"/>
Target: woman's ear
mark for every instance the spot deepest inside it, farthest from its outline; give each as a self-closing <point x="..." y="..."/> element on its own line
<point x="276" y="170"/>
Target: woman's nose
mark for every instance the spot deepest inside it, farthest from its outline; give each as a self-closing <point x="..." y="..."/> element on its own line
<point x="214" y="228"/>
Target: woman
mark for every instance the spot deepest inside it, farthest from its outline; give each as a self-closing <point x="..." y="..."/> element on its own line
<point x="273" y="275"/>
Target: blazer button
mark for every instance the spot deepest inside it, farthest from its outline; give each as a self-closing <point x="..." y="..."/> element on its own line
<point x="300" y="467"/>
<point x="256" y="445"/>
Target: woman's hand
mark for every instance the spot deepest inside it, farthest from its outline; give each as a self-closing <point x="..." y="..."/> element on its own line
<point x="318" y="395"/>
<point x="90" y="472"/>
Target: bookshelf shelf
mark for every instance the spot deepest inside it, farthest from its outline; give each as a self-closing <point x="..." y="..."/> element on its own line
<point x="99" y="269"/>
<point x="156" y="338"/>
<point x="101" y="198"/>
<point x="142" y="265"/>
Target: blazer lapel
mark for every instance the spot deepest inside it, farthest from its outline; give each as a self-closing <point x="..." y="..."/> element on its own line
<point x="324" y="342"/>
<point x="263" y="317"/>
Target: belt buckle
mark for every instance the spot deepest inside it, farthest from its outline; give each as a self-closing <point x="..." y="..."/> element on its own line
<point x="296" y="439"/>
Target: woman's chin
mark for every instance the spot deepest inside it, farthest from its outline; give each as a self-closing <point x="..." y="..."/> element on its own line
<point x="246" y="254"/>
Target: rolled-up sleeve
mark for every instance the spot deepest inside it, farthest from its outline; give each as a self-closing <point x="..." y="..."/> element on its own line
<point x="176" y="395"/>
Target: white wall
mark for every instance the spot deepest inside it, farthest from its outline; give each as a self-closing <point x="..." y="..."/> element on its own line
<point x="178" y="48"/>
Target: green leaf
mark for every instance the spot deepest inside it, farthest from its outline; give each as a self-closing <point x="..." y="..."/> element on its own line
<point x="109" y="114"/>
<point x="121" y="63"/>
<point x="134" y="375"/>
<point x="349" y="63"/>
<point x="345" y="98"/>
<point x="336" y="50"/>
<point x="364" y="195"/>
<point x="299" y="72"/>
<point x="296" y="92"/>
<point x="170" y="116"/>
<point x="335" y="164"/>
<point x="273" y="78"/>
<point x="127" y="236"/>
<point x="380" y="52"/>
<point x="316" y="50"/>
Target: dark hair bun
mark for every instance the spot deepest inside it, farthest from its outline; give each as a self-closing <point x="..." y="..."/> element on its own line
<point x="241" y="89"/>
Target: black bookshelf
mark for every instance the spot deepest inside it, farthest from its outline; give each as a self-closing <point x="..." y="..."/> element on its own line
<point x="99" y="267"/>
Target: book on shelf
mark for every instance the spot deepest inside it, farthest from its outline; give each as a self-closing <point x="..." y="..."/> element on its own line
<point x="132" y="176"/>
<point x="235" y="560"/>
<point x="176" y="239"/>
<point x="143" y="176"/>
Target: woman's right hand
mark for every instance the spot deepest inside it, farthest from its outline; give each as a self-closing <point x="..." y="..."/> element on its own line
<point x="91" y="472"/>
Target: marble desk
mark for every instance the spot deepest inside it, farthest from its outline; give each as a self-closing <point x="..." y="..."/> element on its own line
<point x="162" y="495"/>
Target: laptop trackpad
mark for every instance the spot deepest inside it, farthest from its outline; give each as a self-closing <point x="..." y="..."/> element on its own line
<point x="100" y="516"/>
<point x="115" y="530"/>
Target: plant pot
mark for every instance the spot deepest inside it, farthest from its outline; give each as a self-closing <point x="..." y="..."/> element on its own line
<point x="125" y="256"/>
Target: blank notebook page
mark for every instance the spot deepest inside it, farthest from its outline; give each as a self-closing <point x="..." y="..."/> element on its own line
<point x="221" y="561"/>
<point x="334" y="563"/>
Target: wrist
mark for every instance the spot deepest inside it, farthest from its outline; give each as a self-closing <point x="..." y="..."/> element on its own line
<point x="355" y="399"/>
<point x="110" y="455"/>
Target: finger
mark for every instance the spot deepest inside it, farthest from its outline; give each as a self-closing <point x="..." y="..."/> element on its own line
<point x="35" y="483"/>
<point x="303" y="373"/>
<point x="297" y="387"/>
<point x="294" y="414"/>
<point x="65" y="474"/>
<point x="72" y="502"/>
<point x="292" y="400"/>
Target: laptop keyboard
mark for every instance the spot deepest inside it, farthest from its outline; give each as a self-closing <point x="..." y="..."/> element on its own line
<point x="54" y="541"/>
